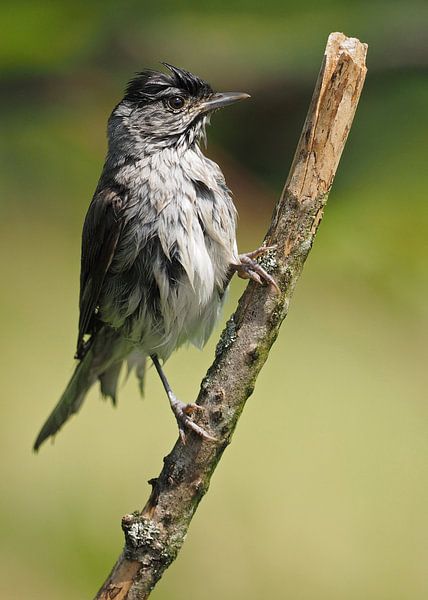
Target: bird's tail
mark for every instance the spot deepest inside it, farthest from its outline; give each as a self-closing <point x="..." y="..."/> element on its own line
<point x="103" y="361"/>
<point x="71" y="400"/>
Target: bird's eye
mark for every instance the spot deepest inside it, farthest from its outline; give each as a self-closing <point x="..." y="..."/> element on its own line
<point x="176" y="102"/>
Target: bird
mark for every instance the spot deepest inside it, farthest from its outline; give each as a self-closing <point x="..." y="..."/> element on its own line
<point x="158" y="242"/>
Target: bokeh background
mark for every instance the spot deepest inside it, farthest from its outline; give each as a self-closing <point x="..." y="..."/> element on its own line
<point x="323" y="493"/>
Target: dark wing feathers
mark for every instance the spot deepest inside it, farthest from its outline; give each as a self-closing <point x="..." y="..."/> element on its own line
<point x="101" y="231"/>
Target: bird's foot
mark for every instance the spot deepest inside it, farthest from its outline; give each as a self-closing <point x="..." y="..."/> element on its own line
<point x="248" y="268"/>
<point x="183" y="413"/>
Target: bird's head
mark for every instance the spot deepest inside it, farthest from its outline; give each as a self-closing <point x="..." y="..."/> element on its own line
<point x="165" y="109"/>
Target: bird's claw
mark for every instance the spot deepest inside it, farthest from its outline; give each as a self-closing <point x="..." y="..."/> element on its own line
<point x="259" y="251"/>
<point x="248" y="268"/>
<point x="182" y="413"/>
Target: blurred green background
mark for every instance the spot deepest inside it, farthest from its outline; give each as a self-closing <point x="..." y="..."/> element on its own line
<point x="323" y="493"/>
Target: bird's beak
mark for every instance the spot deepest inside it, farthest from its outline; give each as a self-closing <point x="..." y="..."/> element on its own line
<point x="220" y="100"/>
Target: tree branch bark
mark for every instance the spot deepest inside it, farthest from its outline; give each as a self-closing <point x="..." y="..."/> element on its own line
<point x="154" y="536"/>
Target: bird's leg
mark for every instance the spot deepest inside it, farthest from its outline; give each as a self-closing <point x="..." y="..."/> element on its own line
<point x="182" y="411"/>
<point x="248" y="268"/>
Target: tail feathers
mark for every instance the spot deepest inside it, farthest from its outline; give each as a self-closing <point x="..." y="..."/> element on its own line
<point x="140" y="371"/>
<point x="109" y="380"/>
<point x="138" y="361"/>
<point x="71" y="400"/>
<point x="102" y="362"/>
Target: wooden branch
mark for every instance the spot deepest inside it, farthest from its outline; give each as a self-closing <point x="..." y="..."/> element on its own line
<point x="154" y="536"/>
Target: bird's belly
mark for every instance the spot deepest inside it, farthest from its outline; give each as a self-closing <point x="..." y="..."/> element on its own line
<point x="184" y="313"/>
<point x="158" y="305"/>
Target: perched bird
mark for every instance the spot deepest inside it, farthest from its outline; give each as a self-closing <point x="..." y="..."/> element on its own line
<point x="158" y="243"/>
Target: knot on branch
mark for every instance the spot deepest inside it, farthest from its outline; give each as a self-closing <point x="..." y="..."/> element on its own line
<point x="144" y="540"/>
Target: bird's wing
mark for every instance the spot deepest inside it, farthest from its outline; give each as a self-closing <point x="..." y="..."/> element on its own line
<point x="101" y="231"/>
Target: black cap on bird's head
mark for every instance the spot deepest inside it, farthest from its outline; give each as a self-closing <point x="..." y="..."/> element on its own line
<point x="167" y="105"/>
<point x="149" y="86"/>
